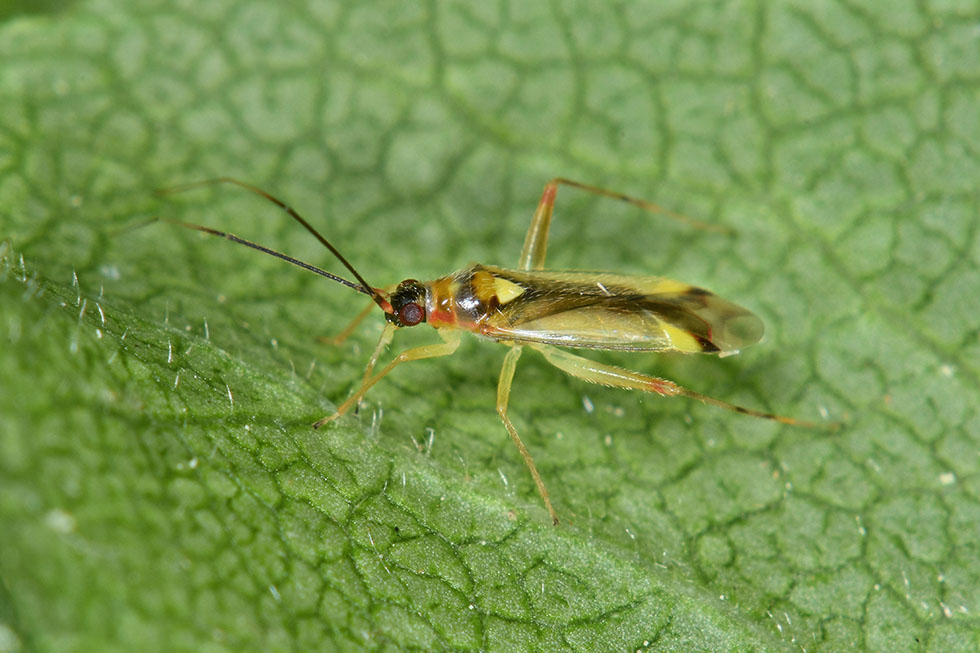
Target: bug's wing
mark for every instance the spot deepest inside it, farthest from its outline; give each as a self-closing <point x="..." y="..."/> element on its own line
<point x="608" y="311"/>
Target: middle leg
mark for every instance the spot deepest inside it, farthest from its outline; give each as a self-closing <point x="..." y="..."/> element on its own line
<point x="503" y="396"/>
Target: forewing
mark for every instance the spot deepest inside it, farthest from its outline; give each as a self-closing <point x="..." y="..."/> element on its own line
<point x="610" y="311"/>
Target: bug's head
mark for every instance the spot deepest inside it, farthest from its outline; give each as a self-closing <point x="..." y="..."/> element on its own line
<point x="408" y="302"/>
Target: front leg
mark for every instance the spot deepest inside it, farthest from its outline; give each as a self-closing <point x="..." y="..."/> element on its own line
<point x="449" y="345"/>
<point x="339" y="339"/>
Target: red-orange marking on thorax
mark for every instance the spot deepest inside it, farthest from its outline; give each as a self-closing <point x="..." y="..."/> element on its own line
<point x="439" y="303"/>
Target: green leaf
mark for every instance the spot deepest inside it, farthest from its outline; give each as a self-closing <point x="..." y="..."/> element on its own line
<point x="161" y="487"/>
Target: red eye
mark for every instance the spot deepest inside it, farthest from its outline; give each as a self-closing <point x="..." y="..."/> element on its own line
<point x="410" y="314"/>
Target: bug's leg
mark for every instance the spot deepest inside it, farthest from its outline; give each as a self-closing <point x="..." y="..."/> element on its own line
<point x="617" y="377"/>
<point x="386" y="335"/>
<point x="383" y="342"/>
<point x="349" y="329"/>
<point x="536" y="241"/>
<point x="451" y="343"/>
<point x="503" y="395"/>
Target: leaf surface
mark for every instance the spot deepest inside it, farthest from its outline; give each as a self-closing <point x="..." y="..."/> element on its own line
<point x="161" y="488"/>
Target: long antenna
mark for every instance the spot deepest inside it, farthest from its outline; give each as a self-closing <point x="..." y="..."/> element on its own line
<point x="365" y="287"/>
<point x="271" y="252"/>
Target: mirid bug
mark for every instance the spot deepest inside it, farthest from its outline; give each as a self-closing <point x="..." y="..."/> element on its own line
<point x="544" y="310"/>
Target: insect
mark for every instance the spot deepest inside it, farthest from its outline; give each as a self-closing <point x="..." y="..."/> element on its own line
<point x="543" y="310"/>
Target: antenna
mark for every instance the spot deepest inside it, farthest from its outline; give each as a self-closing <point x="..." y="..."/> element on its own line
<point x="364" y="288"/>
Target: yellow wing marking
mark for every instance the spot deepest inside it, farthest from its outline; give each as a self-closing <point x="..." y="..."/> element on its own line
<point x="681" y="340"/>
<point x="507" y="291"/>
<point x="486" y="286"/>
<point x="665" y="286"/>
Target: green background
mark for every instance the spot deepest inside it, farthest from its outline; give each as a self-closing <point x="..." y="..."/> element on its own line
<point x="160" y="486"/>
